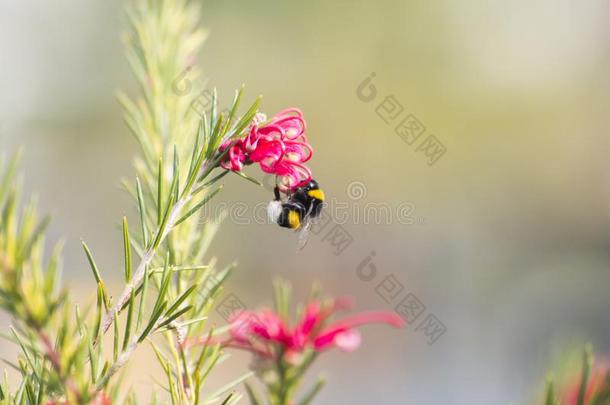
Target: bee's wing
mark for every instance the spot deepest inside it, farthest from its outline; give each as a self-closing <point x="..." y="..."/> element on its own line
<point x="305" y="228"/>
<point x="304" y="233"/>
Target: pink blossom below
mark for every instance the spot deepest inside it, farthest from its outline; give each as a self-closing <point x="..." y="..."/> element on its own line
<point x="595" y="385"/>
<point x="259" y="332"/>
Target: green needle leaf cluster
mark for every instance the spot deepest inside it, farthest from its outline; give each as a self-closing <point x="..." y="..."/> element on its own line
<point x="75" y="356"/>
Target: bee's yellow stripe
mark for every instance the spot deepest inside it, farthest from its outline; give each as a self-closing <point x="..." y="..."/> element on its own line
<point x="294" y="219"/>
<point x="317" y="194"/>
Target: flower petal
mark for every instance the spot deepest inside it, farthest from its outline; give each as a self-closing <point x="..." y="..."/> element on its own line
<point x="297" y="152"/>
<point x="348" y="341"/>
<point x="292" y="175"/>
<point x="327" y="337"/>
<point x="291" y="122"/>
<point x="267" y="149"/>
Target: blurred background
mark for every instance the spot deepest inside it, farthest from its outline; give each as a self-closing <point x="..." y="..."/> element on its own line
<point x="499" y="226"/>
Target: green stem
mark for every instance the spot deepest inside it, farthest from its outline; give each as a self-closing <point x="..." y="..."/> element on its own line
<point x="147" y="258"/>
<point x="289" y="378"/>
<point x="283" y="384"/>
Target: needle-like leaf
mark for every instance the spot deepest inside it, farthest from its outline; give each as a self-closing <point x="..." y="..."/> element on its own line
<point x="127" y="250"/>
<point x="198" y="206"/>
<point x="142" y="210"/>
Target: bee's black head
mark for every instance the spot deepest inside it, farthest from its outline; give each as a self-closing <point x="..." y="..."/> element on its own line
<point x="312" y="185"/>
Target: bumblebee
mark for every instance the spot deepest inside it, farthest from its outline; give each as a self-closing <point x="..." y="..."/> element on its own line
<point x="302" y="206"/>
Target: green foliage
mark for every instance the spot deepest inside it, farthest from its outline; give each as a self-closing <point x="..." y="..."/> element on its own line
<point x="50" y="367"/>
<point x="170" y="286"/>
<point x="21" y="257"/>
<point x="175" y="179"/>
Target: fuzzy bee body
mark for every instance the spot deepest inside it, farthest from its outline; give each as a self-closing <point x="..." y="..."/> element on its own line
<point x="310" y="197"/>
<point x="304" y="204"/>
<point x="292" y="215"/>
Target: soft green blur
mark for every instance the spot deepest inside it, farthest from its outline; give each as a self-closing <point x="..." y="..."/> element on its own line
<point x="506" y="241"/>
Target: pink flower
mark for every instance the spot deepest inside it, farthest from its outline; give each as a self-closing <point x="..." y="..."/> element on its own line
<point x="595" y="385"/>
<point x="100" y="399"/>
<point x="343" y="335"/>
<point x="279" y="146"/>
<point x="262" y="332"/>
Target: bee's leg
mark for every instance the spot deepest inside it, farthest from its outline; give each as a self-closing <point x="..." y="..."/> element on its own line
<point x="276" y="190"/>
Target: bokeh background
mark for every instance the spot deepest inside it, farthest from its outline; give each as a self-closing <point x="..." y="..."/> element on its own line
<point x="507" y="237"/>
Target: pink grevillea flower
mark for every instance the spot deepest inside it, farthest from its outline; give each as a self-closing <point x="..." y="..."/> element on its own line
<point x="278" y="145"/>
<point x="595" y="385"/>
<point x="100" y="399"/>
<point x="265" y="331"/>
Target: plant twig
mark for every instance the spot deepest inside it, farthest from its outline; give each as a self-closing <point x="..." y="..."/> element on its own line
<point x="141" y="269"/>
<point x="124" y="357"/>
